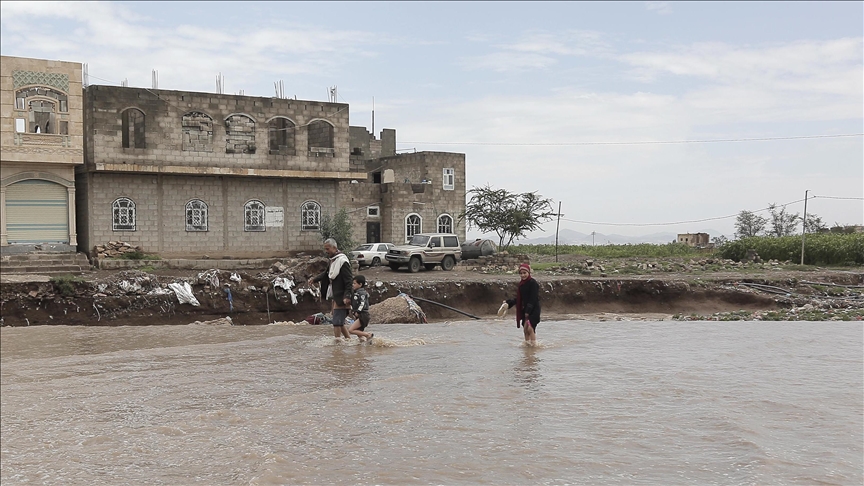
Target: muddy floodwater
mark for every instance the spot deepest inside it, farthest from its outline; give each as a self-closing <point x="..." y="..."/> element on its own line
<point x="444" y="403"/>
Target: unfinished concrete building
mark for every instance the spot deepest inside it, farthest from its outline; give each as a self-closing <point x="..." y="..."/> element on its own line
<point x="188" y="174"/>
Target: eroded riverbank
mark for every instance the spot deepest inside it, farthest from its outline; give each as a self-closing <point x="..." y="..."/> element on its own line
<point x="140" y="298"/>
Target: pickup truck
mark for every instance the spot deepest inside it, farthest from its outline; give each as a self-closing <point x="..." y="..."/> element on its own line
<point x="427" y="250"/>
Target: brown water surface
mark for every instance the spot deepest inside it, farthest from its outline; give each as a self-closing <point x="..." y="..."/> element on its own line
<point x="444" y="403"/>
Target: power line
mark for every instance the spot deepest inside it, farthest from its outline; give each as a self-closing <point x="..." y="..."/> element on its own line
<point x="642" y="142"/>
<point x="709" y="219"/>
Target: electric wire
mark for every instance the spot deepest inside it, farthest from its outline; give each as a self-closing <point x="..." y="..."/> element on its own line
<point x="709" y="219"/>
<point x="638" y="142"/>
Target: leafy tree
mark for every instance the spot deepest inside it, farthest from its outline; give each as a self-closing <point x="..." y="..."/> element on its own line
<point x="508" y="215"/>
<point x="814" y="224"/>
<point x="338" y="227"/>
<point x="782" y="223"/>
<point x="749" y="224"/>
<point x="719" y="241"/>
<point x="842" y="228"/>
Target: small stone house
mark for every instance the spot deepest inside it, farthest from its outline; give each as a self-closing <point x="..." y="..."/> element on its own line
<point x="399" y="195"/>
<point x="694" y="239"/>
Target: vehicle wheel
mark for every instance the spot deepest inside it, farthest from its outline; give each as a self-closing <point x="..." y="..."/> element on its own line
<point x="414" y="265"/>
<point x="448" y="263"/>
<point x="429" y="266"/>
<point x="376" y="261"/>
<point x="394" y="266"/>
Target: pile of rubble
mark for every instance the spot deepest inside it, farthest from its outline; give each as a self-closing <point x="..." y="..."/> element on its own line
<point x="114" y="249"/>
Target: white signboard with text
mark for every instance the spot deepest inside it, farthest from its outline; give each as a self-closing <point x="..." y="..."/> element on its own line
<point x="275" y="217"/>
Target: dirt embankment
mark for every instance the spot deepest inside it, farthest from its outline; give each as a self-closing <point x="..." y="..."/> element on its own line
<point x="138" y="298"/>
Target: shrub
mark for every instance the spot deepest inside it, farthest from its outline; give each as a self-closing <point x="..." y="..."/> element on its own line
<point x="645" y="250"/>
<point x="819" y="249"/>
<point x="65" y="284"/>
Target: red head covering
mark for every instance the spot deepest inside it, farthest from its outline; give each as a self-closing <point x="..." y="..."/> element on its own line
<point x="525" y="266"/>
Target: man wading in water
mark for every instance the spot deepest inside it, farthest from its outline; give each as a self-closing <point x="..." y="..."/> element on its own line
<point x="527" y="304"/>
<point x="336" y="285"/>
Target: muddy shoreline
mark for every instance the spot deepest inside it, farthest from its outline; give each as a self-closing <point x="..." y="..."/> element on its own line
<point x="102" y="299"/>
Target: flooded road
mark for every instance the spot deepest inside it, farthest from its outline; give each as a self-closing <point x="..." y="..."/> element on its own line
<point x="443" y="403"/>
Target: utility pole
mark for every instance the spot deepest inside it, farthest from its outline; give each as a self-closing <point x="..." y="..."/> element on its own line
<point x="804" y="226"/>
<point x="557" y="226"/>
<point x="592" y="237"/>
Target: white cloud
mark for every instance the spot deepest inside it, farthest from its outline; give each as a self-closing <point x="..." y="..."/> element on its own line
<point x="508" y="62"/>
<point x="662" y="8"/>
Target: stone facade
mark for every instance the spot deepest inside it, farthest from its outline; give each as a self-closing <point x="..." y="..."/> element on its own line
<point x="694" y="239"/>
<point x="41" y="135"/>
<point x="399" y="186"/>
<point x="209" y="154"/>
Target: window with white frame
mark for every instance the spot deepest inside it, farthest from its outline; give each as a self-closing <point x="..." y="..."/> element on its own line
<point x="123" y="214"/>
<point x="413" y="225"/>
<point x="449" y="179"/>
<point x="445" y="223"/>
<point x="310" y="216"/>
<point x="253" y="216"/>
<point x="196" y="215"/>
<point x="373" y="211"/>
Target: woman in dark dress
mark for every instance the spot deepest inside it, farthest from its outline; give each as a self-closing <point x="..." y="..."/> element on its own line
<point x="527" y="304"/>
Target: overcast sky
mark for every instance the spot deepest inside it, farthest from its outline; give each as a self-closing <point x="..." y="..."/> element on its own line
<point x="527" y="90"/>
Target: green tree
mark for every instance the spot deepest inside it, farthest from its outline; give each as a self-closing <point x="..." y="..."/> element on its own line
<point x="782" y="223"/>
<point x="508" y="215"/>
<point x="814" y="224"/>
<point x="338" y="227"/>
<point x="749" y="224"/>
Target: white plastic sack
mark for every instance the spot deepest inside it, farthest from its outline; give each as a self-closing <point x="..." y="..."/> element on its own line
<point x="130" y="287"/>
<point x="286" y="284"/>
<point x="235" y="278"/>
<point x="502" y="310"/>
<point x="184" y="293"/>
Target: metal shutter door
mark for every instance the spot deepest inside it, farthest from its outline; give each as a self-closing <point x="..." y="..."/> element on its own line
<point x="37" y="212"/>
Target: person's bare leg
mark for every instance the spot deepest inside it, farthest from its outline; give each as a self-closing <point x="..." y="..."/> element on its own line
<point x="530" y="335"/>
<point x="345" y="333"/>
<point x="336" y="331"/>
<point x="355" y="330"/>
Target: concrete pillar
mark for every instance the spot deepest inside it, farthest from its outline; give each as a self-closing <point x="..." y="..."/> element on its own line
<point x="3" y="237"/>
<point x="73" y="230"/>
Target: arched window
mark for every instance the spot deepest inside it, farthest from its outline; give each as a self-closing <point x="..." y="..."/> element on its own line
<point x="123" y="214"/>
<point x="310" y="216"/>
<point x="282" y="133"/>
<point x="42" y="104"/>
<point x="445" y="224"/>
<point x="253" y="218"/>
<point x="197" y="132"/>
<point x="133" y="128"/>
<point x="196" y="215"/>
<point x="320" y="137"/>
<point x="413" y="225"/>
<point x="239" y="135"/>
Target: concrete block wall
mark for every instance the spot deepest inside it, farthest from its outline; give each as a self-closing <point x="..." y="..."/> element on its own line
<point x="400" y="198"/>
<point x="164" y="112"/>
<point x="161" y="213"/>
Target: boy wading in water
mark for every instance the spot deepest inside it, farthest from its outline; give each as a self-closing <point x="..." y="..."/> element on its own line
<point x="360" y="309"/>
<point x="337" y="279"/>
<point x="527" y="304"/>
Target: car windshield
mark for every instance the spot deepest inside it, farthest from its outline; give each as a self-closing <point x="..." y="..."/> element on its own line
<point x="419" y="240"/>
<point x="363" y="248"/>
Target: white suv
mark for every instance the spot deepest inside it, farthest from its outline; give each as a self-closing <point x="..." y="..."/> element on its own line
<point x="428" y="250"/>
